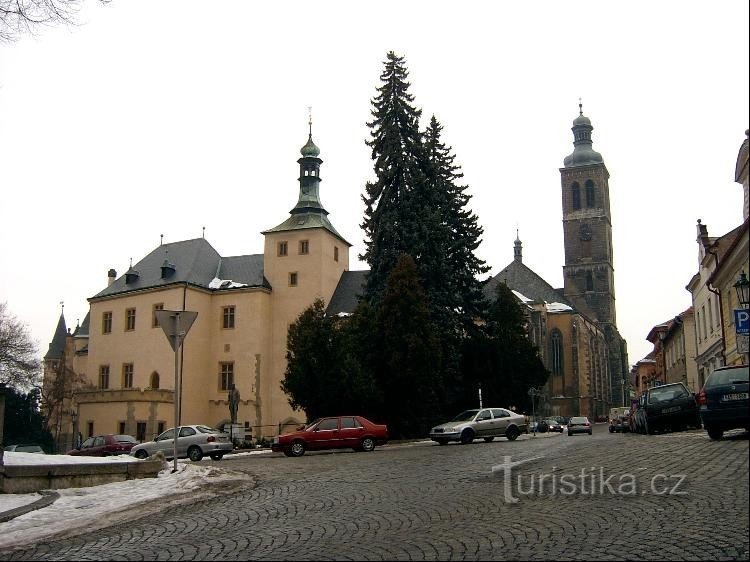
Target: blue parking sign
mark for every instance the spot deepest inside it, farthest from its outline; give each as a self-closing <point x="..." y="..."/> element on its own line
<point x="742" y="321"/>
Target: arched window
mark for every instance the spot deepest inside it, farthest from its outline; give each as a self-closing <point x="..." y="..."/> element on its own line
<point x="556" y="352"/>
<point x="575" y="190"/>
<point x="589" y="281"/>
<point x="590" y="194"/>
<point x="154" y="380"/>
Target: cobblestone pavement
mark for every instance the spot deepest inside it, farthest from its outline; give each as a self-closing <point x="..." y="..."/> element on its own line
<point x="676" y="496"/>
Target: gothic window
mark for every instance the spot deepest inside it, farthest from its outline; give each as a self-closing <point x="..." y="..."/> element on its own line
<point x="155" y="380"/>
<point x="590" y="194"/>
<point x="589" y="281"/>
<point x="556" y="352"/>
<point x="576" y="193"/>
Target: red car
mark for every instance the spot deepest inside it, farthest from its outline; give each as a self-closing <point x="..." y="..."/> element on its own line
<point x="105" y="445"/>
<point x="339" y="432"/>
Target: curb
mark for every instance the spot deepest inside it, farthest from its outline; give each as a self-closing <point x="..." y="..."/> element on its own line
<point x="48" y="498"/>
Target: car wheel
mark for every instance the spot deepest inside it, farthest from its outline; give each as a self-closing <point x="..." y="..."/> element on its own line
<point x="715" y="433"/>
<point x="611" y="429"/>
<point x="195" y="454"/>
<point x="591" y="432"/>
<point x="467" y="436"/>
<point x="367" y="445"/>
<point x="570" y="433"/>
<point x="216" y="456"/>
<point x="141" y="454"/>
<point x="297" y="449"/>
<point x="512" y="432"/>
<point x="489" y="439"/>
<point x="442" y="442"/>
<point x="648" y="429"/>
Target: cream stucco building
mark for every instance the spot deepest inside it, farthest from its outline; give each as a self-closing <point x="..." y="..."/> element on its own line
<point x="120" y="365"/>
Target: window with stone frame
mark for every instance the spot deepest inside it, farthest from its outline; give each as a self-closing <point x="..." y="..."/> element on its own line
<point x="154" y="318"/>
<point x="107" y="323"/>
<point x="104" y="377"/>
<point x="283" y="248"/>
<point x="226" y="375"/>
<point x="127" y="375"/>
<point x="304" y="247"/>
<point x="228" y="317"/>
<point x="590" y="194"/>
<point x="130" y="319"/>
<point x="293" y="279"/>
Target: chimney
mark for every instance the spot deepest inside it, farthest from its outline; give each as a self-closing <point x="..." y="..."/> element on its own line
<point x="111" y="275"/>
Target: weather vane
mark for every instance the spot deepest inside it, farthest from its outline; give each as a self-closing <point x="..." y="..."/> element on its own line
<point x="580" y="105"/>
<point x="309" y="118"/>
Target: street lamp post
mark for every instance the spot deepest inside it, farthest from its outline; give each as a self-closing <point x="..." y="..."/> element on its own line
<point x="662" y="339"/>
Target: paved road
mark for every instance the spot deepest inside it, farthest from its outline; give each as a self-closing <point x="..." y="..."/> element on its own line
<point x="606" y="497"/>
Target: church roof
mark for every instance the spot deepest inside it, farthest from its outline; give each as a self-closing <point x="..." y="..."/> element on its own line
<point x="57" y="346"/>
<point x="346" y="296"/>
<point x="196" y="263"/>
<point x="520" y="278"/>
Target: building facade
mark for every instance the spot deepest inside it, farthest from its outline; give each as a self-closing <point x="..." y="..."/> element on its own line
<point x="245" y="305"/>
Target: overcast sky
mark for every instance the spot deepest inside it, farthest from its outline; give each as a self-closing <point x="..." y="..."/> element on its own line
<point x="154" y="118"/>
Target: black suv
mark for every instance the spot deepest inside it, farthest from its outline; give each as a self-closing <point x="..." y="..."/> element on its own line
<point x="669" y="406"/>
<point x="724" y="400"/>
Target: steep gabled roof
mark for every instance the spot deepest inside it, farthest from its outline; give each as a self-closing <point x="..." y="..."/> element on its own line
<point x="57" y="346"/>
<point x="195" y="262"/>
<point x="82" y="331"/>
<point x="346" y="296"/>
<point x="522" y="279"/>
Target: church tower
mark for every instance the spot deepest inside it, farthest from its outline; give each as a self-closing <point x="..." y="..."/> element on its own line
<point x="589" y="275"/>
<point x="587" y="227"/>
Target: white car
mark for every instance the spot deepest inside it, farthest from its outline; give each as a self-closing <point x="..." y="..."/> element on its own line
<point x="193" y="442"/>
<point x="486" y="424"/>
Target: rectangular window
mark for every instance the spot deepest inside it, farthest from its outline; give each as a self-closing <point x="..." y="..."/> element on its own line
<point x="140" y="431"/>
<point x="228" y="317"/>
<point x="703" y="318"/>
<point x="107" y="323"/>
<point x="130" y="319"/>
<point x="710" y="316"/>
<point x="160" y="427"/>
<point x="104" y="376"/>
<point x="718" y="314"/>
<point x="335" y="253"/>
<point x="90" y="429"/>
<point x="283" y="248"/>
<point x="293" y="279"/>
<point x="226" y="375"/>
<point x="121" y="428"/>
<point x="304" y="247"/>
<point x="127" y="375"/>
<point x="698" y="326"/>
<point x="154" y="319"/>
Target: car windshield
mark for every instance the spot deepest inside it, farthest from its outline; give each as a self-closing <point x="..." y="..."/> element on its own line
<point x="666" y="393"/>
<point x="466" y="415"/>
<point x="312" y="423"/>
<point x="204" y="429"/>
<point x="728" y="376"/>
<point x="578" y="420"/>
<point x="550" y="421"/>
<point x="125" y="439"/>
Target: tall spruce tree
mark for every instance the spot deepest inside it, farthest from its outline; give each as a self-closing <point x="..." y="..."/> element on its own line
<point x="391" y="221"/>
<point x="408" y="367"/>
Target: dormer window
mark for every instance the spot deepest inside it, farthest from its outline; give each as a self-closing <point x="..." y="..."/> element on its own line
<point x="167" y="270"/>
<point x="131" y="276"/>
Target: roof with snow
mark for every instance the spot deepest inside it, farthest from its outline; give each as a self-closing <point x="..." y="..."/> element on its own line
<point x="346" y="296"/>
<point x="194" y="262"/>
<point x="528" y="287"/>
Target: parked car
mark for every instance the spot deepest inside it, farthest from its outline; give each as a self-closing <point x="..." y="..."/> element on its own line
<point x="486" y="424"/>
<point x="105" y="446"/>
<point x="337" y="432"/>
<point x="25" y="448"/>
<point x="579" y="424"/>
<point x="724" y="401"/>
<point x="619" y="420"/>
<point x="554" y="425"/>
<point x="193" y="442"/>
<point x="669" y="406"/>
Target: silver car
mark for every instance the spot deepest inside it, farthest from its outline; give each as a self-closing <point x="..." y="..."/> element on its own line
<point x="193" y="442"/>
<point x="486" y="424"/>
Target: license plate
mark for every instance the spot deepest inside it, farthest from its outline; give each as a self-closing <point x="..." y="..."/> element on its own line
<point x="735" y="396"/>
<point x="670" y="410"/>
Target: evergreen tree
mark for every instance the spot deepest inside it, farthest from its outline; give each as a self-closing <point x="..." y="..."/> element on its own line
<point x="324" y="376"/>
<point x="408" y="367"/>
<point x="501" y="358"/>
<point x="24" y="422"/>
<point x="391" y="221"/>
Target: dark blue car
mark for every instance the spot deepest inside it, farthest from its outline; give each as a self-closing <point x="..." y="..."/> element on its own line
<point x="725" y="401"/>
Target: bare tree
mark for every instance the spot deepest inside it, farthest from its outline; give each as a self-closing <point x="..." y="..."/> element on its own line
<point x="19" y="361"/>
<point x="20" y="17"/>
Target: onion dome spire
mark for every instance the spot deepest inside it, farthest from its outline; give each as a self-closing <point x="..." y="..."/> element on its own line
<point x="583" y="153"/>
